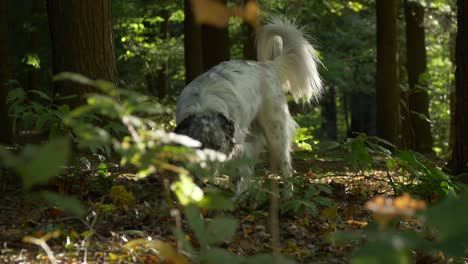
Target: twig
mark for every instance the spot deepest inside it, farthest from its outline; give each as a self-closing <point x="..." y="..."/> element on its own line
<point x="174" y="211"/>
<point x="43" y="244"/>
<point x="86" y="239"/>
<point x="274" y="217"/>
<point x="392" y="183"/>
<point x="136" y="137"/>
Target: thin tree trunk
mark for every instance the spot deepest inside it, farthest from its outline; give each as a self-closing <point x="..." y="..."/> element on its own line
<point x="459" y="161"/>
<point x="387" y="90"/>
<point x="452" y="96"/>
<point x="328" y="103"/>
<point x="418" y="133"/>
<point x="250" y="53"/>
<point x="5" y="74"/>
<point x="34" y="35"/>
<point x="215" y="45"/>
<point x="82" y="42"/>
<point x="163" y="81"/>
<point x="362" y="113"/>
<point x="192" y="45"/>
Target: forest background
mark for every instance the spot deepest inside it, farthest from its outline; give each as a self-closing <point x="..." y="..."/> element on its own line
<point x="389" y="120"/>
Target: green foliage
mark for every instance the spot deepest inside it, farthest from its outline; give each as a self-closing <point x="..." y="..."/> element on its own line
<point x="142" y="46"/>
<point x="210" y="234"/>
<point x="34" y="110"/>
<point x="423" y="178"/>
<point x="411" y="171"/>
<point x="450" y="223"/>
<point x="445" y="230"/>
<point x="298" y="196"/>
<point x="43" y="162"/>
<point x="37" y="165"/>
<point x="305" y="198"/>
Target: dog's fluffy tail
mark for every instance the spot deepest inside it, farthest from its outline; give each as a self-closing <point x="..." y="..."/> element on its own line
<point x="292" y="57"/>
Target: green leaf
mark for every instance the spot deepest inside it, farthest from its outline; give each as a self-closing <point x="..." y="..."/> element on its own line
<point x="195" y="221"/>
<point x="75" y="77"/>
<point x="187" y="191"/>
<point x="181" y="238"/>
<point x="218" y="255"/>
<point x="38" y="164"/>
<point x="220" y="229"/>
<point x="8" y="159"/>
<point x="65" y="203"/>
<point x="451" y="222"/>
<point x="41" y="94"/>
<point x="215" y="200"/>
<point x="17" y="94"/>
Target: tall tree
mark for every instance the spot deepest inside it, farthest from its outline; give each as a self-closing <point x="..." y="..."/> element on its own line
<point x="387" y="89"/>
<point x="215" y="45"/>
<point x="5" y="73"/>
<point x="82" y="42"/>
<point x="192" y="45"/>
<point x="250" y="53"/>
<point x="362" y="108"/>
<point x="34" y="35"/>
<point x="163" y="78"/>
<point x="416" y="129"/>
<point x="328" y="104"/>
<point x="459" y="161"/>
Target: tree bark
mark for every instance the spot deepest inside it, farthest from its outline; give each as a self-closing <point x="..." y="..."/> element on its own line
<point x="387" y="89"/>
<point x="459" y="160"/>
<point x="5" y="74"/>
<point x="250" y="53"/>
<point x="163" y="78"/>
<point x="362" y="108"/>
<point x="34" y="35"/>
<point x="192" y="45"/>
<point x="82" y="42"/>
<point x="215" y="45"/>
<point x="417" y="132"/>
<point x="329" y="125"/>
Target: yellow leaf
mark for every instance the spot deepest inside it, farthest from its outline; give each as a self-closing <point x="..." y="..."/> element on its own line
<point x="331" y="213"/>
<point x="211" y="12"/>
<point x="113" y="257"/>
<point x="217" y="14"/>
<point x="164" y="249"/>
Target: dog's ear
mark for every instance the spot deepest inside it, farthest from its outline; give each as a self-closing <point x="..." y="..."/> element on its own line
<point x="228" y="125"/>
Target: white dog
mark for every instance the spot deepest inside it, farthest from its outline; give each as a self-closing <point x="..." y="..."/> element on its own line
<point x="240" y="107"/>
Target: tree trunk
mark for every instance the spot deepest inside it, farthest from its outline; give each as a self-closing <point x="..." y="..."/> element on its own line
<point x="163" y="80"/>
<point x="328" y="103"/>
<point x="5" y="74"/>
<point x="215" y="45"/>
<point x="458" y="163"/>
<point x="362" y="108"/>
<point x="250" y="53"/>
<point x="387" y="89"/>
<point x="192" y="45"/>
<point x="417" y="132"/>
<point x="82" y="42"/>
<point x="34" y="35"/>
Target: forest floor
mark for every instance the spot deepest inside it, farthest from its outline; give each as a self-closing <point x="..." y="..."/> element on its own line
<point x="112" y="222"/>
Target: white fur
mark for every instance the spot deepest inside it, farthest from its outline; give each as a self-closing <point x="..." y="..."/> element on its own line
<point x="252" y="94"/>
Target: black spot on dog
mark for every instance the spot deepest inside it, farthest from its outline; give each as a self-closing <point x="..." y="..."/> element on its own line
<point x="212" y="129"/>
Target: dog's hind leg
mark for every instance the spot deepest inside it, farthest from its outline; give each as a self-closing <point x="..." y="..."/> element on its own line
<point x="279" y="129"/>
